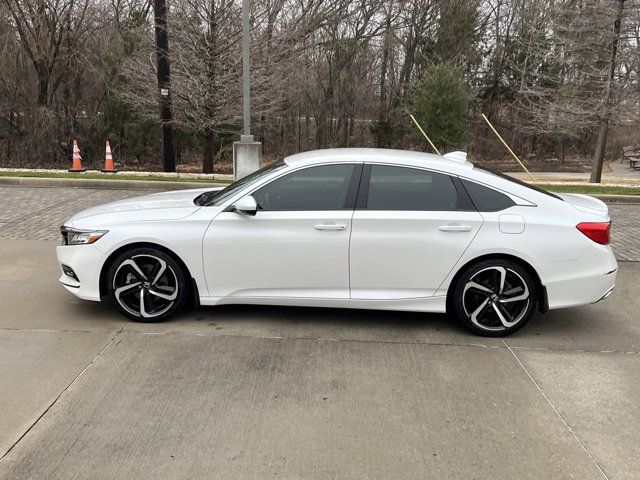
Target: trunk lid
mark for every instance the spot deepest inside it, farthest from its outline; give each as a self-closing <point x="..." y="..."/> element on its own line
<point x="585" y="203"/>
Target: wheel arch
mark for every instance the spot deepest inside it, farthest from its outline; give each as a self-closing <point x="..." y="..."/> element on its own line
<point x="541" y="290"/>
<point x="193" y="287"/>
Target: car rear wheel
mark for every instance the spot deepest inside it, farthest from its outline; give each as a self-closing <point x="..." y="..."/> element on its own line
<point x="494" y="298"/>
<point x="147" y="285"/>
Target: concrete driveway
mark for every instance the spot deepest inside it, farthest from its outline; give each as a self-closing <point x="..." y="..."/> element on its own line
<point x="257" y="392"/>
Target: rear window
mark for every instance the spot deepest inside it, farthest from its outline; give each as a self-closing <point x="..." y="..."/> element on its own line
<point x="519" y="182"/>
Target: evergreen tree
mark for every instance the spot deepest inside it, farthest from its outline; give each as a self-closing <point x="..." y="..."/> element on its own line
<point x="441" y="104"/>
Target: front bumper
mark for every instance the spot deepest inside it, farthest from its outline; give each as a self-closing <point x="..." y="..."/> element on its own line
<point x="86" y="261"/>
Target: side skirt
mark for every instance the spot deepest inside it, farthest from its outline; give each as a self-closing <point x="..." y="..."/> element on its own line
<point x="428" y="304"/>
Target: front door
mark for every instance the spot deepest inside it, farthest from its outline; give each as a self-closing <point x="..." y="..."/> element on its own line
<point x="409" y="229"/>
<point x="297" y="244"/>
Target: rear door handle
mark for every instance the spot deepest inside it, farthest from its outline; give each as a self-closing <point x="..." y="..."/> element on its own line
<point x="454" y="228"/>
<point x="330" y="226"/>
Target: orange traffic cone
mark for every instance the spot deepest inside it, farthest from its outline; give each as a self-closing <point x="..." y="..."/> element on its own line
<point x="109" y="167"/>
<point x="77" y="159"/>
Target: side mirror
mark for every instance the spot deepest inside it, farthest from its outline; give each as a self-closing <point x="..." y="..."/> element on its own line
<point x="246" y="205"/>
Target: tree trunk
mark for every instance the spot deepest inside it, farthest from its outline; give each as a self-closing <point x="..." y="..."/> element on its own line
<point x="605" y="117"/>
<point x="382" y="108"/>
<point x="43" y="87"/>
<point x="207" y="151"/>
<point x="164" y="71"/>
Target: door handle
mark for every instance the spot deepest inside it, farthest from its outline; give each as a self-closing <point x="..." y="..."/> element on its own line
<point x="454" y="228"/>
<point x="330" y="226"/>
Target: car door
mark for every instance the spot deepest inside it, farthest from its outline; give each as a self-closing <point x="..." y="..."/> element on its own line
<point x="296" y="245"/>
<point x="409" y="229"/>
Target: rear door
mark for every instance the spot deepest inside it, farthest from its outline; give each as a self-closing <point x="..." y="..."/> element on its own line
<point x="409" y="229"/>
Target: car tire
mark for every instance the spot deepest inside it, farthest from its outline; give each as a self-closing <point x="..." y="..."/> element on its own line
<point x="147" y="285"/>
<point x="494" y="298"/>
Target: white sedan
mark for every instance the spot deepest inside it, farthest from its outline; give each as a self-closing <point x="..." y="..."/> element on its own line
<point x="355" y="228"/>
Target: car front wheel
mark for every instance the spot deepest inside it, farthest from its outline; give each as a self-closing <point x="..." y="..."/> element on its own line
<point x="147" y="285"/>
<point x="494" y="298"/>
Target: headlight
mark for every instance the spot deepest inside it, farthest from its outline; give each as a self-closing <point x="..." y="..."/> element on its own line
<point x="73" y="236"/>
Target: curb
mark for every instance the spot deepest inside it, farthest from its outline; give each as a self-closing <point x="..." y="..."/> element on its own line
<point x="105" y="184"/>
<point x="140" y="175"/>
<point x="626" y="199"/>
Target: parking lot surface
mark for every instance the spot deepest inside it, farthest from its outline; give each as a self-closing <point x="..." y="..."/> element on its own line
<point x="256" y="392"/>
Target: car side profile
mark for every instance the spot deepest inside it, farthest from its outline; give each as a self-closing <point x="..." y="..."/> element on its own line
<point x="350" y="228"/>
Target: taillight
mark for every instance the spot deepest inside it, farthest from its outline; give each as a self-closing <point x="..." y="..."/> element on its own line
<point x="596" y="231"/>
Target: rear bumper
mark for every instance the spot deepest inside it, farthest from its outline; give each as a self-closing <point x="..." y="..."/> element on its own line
<point x="606" y="295"/>
<point x="586" y="280"/>
<point x="86" y="262"/>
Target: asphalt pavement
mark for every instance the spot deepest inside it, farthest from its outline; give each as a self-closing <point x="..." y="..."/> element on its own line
<point x="254" y="392"/>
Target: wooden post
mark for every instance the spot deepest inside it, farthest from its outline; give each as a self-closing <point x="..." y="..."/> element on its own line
<point x="425" y="135"/>
<point x="507" y="146"/>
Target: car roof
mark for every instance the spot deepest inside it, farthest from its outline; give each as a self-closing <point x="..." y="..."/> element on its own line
<point x="380" y="155"/>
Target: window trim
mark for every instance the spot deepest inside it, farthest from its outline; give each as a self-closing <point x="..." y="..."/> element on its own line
<point x="363" y="191"/>
<point x="365" y="182"/>
<point x="463" y="196"/>
<point x="352" y="189"/>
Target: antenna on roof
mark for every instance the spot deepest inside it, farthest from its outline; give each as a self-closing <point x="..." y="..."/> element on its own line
<point x="457" y="156"/>
<point x="425" y="135"/>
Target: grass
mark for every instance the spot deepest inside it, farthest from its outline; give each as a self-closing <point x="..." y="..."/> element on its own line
<point x="104" y="176"/>
<point x="591" y="189"/>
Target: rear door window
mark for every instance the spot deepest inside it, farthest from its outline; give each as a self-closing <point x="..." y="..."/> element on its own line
<point x="404" y="188"/>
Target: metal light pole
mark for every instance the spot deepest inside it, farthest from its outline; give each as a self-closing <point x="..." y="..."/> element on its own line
<point x="247" y="153"/>
<point x="246" y="99"/>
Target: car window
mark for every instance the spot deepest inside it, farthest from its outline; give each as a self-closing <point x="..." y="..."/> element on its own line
<point x="519" y="182"/>
<point x="487" y="199"/>
<point x="215" y="198"/>
<point x="401" y="188"/>
<point x="316" y="188"/>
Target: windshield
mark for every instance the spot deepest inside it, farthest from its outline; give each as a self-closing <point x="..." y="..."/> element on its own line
<point x="519" y="182"/>
<point x="213" y="199"/>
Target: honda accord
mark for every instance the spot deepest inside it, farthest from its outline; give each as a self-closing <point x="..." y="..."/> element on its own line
<point x="354" y="228"/>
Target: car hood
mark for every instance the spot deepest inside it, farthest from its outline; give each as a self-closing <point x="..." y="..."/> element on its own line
<point x="585" y="203"/>
<point x="172" y="205"/>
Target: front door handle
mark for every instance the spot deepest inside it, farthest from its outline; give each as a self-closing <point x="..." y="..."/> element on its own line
<point x="330" y="226"/>
<point x="454" y="228"/>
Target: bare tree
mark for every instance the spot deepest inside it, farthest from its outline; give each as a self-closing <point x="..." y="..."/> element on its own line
<point x="552" y="74"/>
<point x="605" y="111"/>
